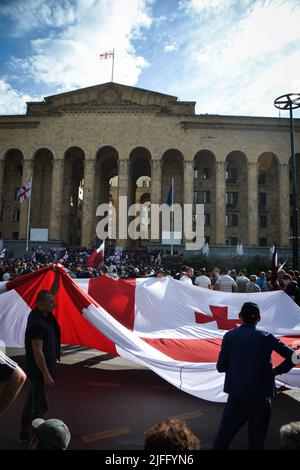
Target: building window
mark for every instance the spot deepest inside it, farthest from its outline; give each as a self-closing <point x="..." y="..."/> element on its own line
<point x="1" y="216"/>
<point x="262" y="201"/>
<point x="231" y="175"/>
<point x="15" y="235"/>
<point x="262" y="242"/>
<point x="263" y="221"/>
<point x="146" y="184"/>
<point x="201" y="197"/>
<point x="195" y="173"/>
<point x="207" y="240"/>
<point x="232" y="200"/>
<point x="16" y="194"/>
<point x="204" y="173"/>
<point x="204" y="197"/>
<point x="16" y="217"/>
<point x="262" y="178"/>
<point x="231" y="220"/>
<point x="206" y="219"/>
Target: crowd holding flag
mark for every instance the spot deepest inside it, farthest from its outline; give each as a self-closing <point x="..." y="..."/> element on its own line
<point x="174" y="329"/>
<point x="3" y="253"/>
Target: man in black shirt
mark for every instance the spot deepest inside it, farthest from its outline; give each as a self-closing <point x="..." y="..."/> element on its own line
<point x="13" y="377"/>
<point x="42" y="344"/>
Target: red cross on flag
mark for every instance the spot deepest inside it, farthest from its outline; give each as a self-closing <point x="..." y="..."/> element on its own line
<point x="24" y="192"/>
<point x="106" y="55"/>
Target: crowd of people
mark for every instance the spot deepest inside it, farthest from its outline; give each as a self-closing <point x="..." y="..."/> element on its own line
<point x="131" y="263"/>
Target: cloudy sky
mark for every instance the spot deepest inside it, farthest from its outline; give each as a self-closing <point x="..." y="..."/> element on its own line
<point x="232" y="57"/>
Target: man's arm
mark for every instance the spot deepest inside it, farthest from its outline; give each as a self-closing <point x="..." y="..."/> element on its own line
<point x="37" y="348"/>
<point x="55" y="285"/>
<point x="11" y="388"/>
<point x="286" y="352"/>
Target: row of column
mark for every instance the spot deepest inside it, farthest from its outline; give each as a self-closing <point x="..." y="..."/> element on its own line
<point x="88" y="210"/>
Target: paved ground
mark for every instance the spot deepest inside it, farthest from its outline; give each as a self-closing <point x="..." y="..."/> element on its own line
<point x="108" y="403"/>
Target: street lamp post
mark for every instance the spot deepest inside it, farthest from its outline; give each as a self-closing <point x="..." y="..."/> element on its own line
<point x="289" y="102"/>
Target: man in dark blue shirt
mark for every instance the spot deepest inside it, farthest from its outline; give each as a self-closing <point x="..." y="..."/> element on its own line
<point x="42" y="344"/>
<point x="245" y="357"/>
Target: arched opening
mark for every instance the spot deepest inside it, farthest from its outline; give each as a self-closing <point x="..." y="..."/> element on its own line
<point x="10" y="212"/>
<point x="106" y="186"/>
<point x="41" y="189"/>
<point x="140" y="184"/>
<point x="204" y="191"/>
<point x="268" y="199"/>
<point x="236" y="197"/>
<point x="172" y="167"/>
<point x="72" y="196"/>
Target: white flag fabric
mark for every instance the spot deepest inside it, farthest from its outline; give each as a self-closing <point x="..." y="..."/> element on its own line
<point x="170" y="327"/>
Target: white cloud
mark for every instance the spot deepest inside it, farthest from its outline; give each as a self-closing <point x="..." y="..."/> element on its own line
<point x="205" y="6"/>
<point x="28" y="15"/>
<point x="12" y="101"/>
<point x="241" y="61"/>
<point x="170" y="47"/>
<point x="69" y="58"/>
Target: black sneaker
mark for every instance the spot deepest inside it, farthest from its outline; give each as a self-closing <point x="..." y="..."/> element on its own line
<point x="24" y="438"/>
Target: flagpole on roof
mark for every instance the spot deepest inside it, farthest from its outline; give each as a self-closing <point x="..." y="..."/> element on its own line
<point x="28" y="216"/>
<point x="113" y="65"/>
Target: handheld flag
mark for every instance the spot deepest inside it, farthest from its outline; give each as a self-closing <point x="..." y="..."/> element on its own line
<point x="96" y="257"/>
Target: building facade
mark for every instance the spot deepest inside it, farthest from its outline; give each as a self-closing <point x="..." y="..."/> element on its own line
<point x="92" y="145"/>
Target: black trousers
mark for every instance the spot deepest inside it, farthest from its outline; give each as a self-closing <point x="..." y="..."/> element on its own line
<point x="236" y="414"/>
<point x="35" y="406"/>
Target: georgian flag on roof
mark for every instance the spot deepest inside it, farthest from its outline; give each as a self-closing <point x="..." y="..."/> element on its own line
<point x="174" y="329"/>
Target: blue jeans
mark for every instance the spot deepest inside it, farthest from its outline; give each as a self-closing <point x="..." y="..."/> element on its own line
<point x="236" y="414"/>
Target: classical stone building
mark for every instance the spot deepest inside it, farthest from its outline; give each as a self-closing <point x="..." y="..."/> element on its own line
<point x="92" y="145"/>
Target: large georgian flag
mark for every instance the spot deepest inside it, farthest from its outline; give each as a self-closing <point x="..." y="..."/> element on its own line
<point x="172" y="328"/>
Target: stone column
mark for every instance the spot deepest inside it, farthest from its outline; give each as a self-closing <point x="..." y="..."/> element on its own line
<point x="252" y="214"/>
<point x="284" y="204"/>
<point x="188" y="188"/>
<point x="156" y="170"/>
<point x="56" y="199"/>
<point x="220" y="203"/>
<point x="188" y="182"/>
<point x="26" y="175"/>
<point x="123" y="190"/>
<point x="87" y="223"/>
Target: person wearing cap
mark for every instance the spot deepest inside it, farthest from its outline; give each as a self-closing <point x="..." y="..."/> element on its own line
<point x="52" y="434"/>
<point x="245" y="357"/>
